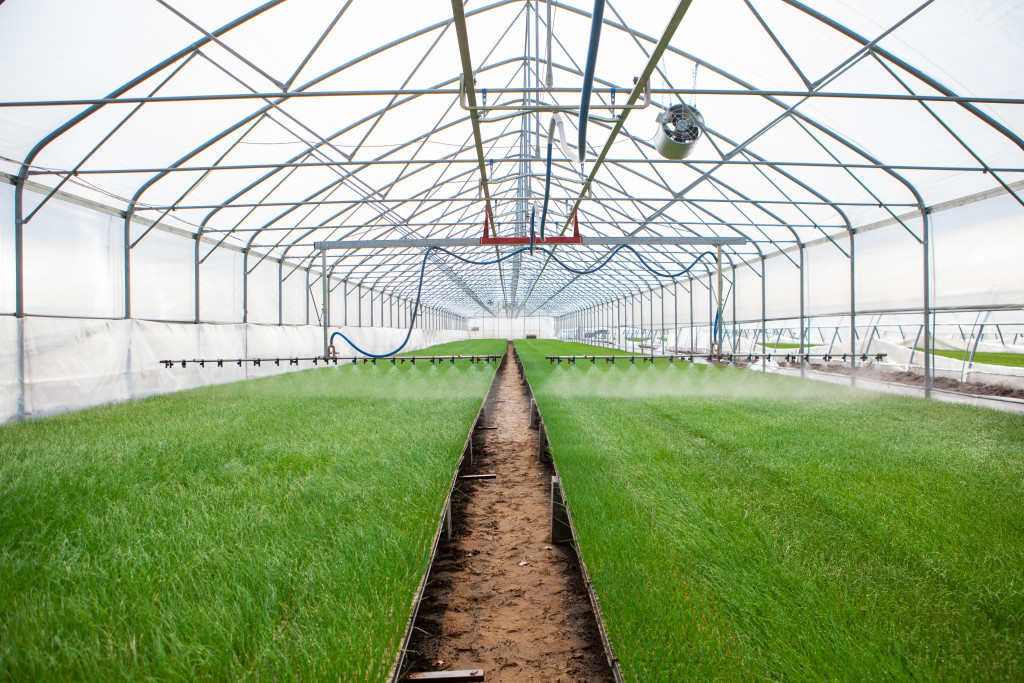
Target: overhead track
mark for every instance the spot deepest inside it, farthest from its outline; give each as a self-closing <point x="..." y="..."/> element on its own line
<point x="476" y="242"/>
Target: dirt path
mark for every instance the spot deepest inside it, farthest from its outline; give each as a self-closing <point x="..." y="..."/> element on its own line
<point x="501" y="597"/>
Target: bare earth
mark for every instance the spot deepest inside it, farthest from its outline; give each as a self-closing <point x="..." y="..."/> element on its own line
<point x="501" y="596"/>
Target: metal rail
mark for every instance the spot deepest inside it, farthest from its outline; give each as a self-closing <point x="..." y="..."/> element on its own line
<point x="326" y="360"/>
<point x="724" y="357"/>
<point x="476" y="242"/>
<point x="213" y="97"/>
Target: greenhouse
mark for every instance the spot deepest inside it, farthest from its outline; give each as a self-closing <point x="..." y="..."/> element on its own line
<point x="512" y="340"/>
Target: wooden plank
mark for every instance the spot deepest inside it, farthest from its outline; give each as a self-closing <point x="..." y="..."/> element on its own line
<point x="448" y="676"/>
<point x="478" y="476"/>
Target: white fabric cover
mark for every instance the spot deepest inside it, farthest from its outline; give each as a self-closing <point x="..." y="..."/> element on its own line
<point x="76" y="363"/>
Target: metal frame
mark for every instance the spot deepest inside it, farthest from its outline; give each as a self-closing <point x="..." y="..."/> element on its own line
<point x="431" y="198"/>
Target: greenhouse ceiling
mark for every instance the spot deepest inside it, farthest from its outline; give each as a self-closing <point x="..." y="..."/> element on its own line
<point x="270" y="127"/>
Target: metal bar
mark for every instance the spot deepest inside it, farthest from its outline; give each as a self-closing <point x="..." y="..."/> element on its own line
<point x="476" y="242"/>
<point x="697" y="200"/>
<point x="41" y="171"/>
<point x="528" y="91"/>
<point x="466" y="83"/>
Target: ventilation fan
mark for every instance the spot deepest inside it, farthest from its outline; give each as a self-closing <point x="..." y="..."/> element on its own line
<point x="679" y="128"/>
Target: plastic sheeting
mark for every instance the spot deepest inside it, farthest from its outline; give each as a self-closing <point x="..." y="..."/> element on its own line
<point x="541" y="327"/>
<point x="72" y="363"/>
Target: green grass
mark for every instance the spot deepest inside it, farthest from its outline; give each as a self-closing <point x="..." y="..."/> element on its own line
<point x="771" y="347"/>
<point x="740" y="526"/>
<point x="274" y="529"/>
<point x="469" y="347"/>
<point x="1013" y="360"/>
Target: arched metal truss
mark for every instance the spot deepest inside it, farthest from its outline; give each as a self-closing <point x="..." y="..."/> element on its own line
<point x="374" y="144"/>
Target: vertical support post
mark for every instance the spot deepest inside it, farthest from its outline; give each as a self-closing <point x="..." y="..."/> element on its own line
<point x="735" y="331"/>
<point x="802" y="288"/>
<point x="326" y="298"/>
<point x="245" y="286"/>
<point x="692" y="341"/>
<point x="721" y="303"/>
<point x="280" y="292"/>
<point x="711" y="316"/>
<point x="764" y="330"/>
<point x="853" y="314"/>
<point x="928" y="360"/>
<point x="128" y="268"/>
<point x="675" y="315"/>
<point x="19" y="284"/>
<point x="306" y="297"/>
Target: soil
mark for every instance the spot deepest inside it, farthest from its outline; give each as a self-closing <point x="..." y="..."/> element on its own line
<point x="915" y="380"/>
<point x="501" y="596"/>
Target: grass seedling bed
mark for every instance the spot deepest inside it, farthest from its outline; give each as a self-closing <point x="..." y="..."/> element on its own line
<point x="274" y="529"/>
<point x="1013" y="360"/>
<point x="742" y="526"/>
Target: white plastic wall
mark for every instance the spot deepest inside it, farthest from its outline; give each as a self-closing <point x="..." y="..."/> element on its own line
<point x="7" y="262"/>
<point x="490" y="327"/>
<point x="75" y="363"/>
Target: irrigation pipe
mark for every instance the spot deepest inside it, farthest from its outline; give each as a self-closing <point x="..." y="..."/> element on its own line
<point x="551" y="254"/>
<point x="588" y="79"/>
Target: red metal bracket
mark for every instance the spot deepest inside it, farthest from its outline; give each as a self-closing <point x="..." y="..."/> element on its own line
<point x="574" y="239"/>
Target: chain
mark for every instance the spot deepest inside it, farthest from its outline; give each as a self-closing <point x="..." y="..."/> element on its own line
<point x="693" y="94"/>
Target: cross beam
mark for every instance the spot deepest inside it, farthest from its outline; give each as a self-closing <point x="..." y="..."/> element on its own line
<point x="634" y="240"/>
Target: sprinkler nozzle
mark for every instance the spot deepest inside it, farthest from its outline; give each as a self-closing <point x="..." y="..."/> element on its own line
<point x="220" y="364"/>
<point x="632" y="361"/>
<point x="374" y="361"/>
<point x="353" y="361"/>
<point x="392" y="361"/>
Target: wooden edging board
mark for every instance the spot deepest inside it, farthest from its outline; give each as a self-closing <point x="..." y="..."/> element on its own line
<point x="395" y="674"/>
<point x="609" y="653"/>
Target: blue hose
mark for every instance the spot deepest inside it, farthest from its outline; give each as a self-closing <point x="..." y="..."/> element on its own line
<point x="586" y="271"/>
<point x="547" y="179"/>
<point x="588" y="75"/>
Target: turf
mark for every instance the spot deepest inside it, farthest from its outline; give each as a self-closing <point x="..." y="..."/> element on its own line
<point x="273" y="529"/>
<point x="739" y="526"/>
<point x="1013" y="360"/>
<point x="480" y="347"/>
